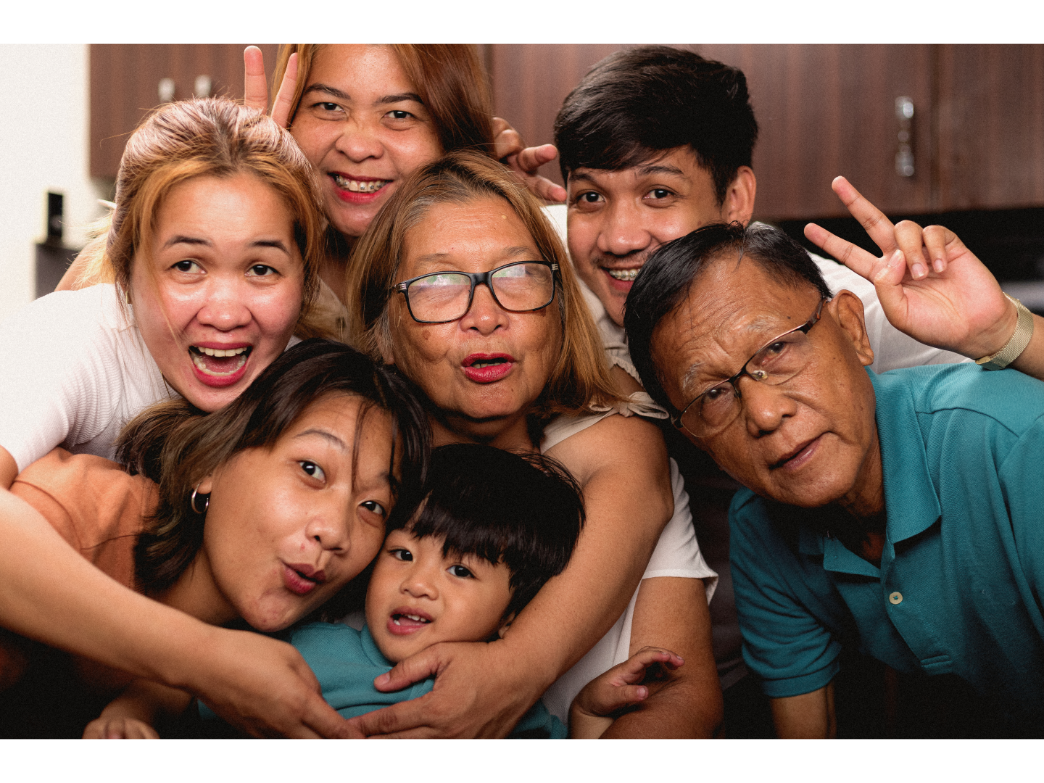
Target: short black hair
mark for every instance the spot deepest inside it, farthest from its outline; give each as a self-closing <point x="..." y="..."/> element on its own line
<point x="637" y="103"/>
<point x="523" y="510"/>
<point x="664" y="282"/>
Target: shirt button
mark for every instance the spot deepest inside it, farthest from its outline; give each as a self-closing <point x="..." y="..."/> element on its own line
<point x="896" y="598"/>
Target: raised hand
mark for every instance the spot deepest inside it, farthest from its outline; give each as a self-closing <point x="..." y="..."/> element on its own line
<point x="930" y="285"/>
<point x="255" y="85"/>
<point x="525" y="161"/>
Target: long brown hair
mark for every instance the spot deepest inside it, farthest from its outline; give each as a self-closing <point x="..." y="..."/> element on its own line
<point x="580" y="377"/>
<point x="206" y="137"/>
<point x="448" y="78"/>
<point x="178" y="446"/>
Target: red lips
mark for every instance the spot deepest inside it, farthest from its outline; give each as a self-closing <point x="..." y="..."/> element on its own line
<point x="487" y="367"/>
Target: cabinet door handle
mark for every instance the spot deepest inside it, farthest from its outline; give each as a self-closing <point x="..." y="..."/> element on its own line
<point x="202" y="87"/>
<point x="166" y="90"/>
<point x="904" y="157"/>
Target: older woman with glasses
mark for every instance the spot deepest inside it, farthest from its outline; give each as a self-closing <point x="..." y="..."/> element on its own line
<point x="465" y="288"/>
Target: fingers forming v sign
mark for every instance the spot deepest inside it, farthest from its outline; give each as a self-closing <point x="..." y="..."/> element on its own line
<point x="930" y="285"/>
<point x="255" y="85"/>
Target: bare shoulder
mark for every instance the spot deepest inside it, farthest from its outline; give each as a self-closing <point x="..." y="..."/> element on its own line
<point x="625" y="443"/>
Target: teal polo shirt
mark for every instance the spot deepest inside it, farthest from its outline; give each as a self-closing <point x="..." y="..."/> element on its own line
<point x="958" y="590"/>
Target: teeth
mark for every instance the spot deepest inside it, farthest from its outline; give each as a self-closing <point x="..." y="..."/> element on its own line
<point x="196" y="354"/>
<point x="355" y="186"/>
<point x="217" y="352"/>
<point x="489" y="363"/>
<point x="626" y="275"/>
<point x="414" y="617"/>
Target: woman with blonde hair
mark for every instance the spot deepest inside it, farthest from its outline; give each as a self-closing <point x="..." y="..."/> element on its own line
<point x="214" y="249"/>
<point x="462" y="285"/>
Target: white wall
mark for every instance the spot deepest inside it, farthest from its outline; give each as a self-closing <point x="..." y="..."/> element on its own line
<point x="43" y="146"/>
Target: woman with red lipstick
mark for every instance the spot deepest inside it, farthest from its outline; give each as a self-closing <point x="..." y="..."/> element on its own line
<point x="214" y="245"/>
<point x="463" y="285"/>
<point x="252" y="516"/>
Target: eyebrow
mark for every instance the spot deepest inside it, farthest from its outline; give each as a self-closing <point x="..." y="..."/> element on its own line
<point x="385" y="99"/>
<point x="332" y="439"/>
<point x="181" y="239"/>
<point x="647" y="170"/>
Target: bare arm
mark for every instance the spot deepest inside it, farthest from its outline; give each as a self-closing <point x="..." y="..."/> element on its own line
<point x="598" y="703"/>
<point x="482" y="690"/>
<point x="808" y="716"/>
<point x="50" y="593"/>
<point x="672" y="613"/>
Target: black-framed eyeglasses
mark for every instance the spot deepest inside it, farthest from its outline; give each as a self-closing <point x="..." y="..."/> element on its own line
<point x="775" y="363"/>
<point x="441" y="297"/>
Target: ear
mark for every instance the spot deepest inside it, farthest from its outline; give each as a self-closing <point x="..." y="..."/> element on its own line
<point x="206" y="486"/>
<point x="847" y="310"/>
<point x="505" y="624"/>
<point x="739" y="198"/>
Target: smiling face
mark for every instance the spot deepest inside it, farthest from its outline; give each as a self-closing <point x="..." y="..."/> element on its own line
<point x="287" y="528"/>
<point x="218" y="295"/>
<point x="363" y="126"/>
<point x="485" y="369"/>
<point x="617" y="219"/>
<point x="417" y="597"/>
<point x="808" y="442"/>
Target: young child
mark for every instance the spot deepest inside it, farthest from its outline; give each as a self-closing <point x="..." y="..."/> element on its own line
<point x="491" y="528"/>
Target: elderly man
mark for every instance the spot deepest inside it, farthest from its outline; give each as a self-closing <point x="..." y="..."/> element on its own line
<point x="897" y="513"/>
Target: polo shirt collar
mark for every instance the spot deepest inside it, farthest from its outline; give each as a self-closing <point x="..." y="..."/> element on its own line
<point x="911" y="503"/>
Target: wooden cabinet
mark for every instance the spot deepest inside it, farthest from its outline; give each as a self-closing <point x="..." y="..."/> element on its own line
<point x="990" y="113"/>
<point x="126" y="84"/>
<point x="976" y="137"/>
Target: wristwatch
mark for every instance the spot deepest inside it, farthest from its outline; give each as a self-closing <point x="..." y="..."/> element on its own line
<point x="1016" y="345"/>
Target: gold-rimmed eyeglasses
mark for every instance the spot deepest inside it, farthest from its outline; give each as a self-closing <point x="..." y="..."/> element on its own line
<point x="775" y="363"/>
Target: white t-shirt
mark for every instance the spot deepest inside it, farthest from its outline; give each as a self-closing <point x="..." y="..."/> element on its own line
<point x="75" y="371"/>
<point x="677" y="554"/>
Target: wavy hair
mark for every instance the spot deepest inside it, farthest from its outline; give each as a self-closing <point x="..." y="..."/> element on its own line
<point x="580" y="377"/>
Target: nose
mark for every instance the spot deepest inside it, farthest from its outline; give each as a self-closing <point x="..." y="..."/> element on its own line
<point x="226" y="304"/>
<point x="622" y="231"/>
<point x="359" y="140"/>
<point x="330" y="529"/>
<point x="765" y="407"/>
<point x="485" y="315"/>
<point x="419" y="582"/>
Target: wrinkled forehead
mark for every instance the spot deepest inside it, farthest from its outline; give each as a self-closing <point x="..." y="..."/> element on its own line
<point x="732" y="307"/>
